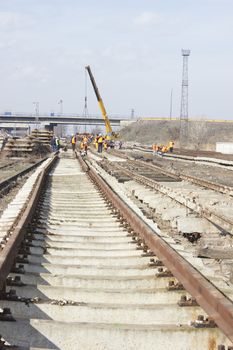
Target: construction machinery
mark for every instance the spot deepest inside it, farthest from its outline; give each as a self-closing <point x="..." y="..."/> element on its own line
<point x="110" y="134"/>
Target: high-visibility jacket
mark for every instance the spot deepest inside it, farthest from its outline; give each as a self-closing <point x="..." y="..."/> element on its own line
<point x="100" y="139"/>
<point x="73" y="141"/>
<point x="171" y="144"/>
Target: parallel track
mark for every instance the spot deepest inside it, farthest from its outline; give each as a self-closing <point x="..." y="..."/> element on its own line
<point x="10" y="182"/>
<point x="89" y="277"/>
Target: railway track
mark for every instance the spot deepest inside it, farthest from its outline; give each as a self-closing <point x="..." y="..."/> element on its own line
<point x="7" y="184"/>
<point x="208" y="158"/>
<point x="92" y="274"/>
<point x="196" y="191"/>
<point x="193" y="179"/>
<point x="7" y="165"/>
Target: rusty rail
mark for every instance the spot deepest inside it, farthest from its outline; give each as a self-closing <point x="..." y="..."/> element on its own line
<point x="9" y="252"/>
<point x="211" y="299"/>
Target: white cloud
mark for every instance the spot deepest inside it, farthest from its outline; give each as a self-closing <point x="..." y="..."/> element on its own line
<point x="148" y="17"/>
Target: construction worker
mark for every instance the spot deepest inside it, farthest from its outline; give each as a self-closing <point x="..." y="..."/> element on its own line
<point x="85" y="143"/>
<point x="171" y="146"/>
<point x="164" y="149"/>
<point x="53" y="144"/>
<point x="100" y="143"/>
<point x="57" y="143"/>
<point x="73" y="142"/>
<point x="105" y="145"/>
<point x="96" y="142"/>
<point x="154" y="148"/>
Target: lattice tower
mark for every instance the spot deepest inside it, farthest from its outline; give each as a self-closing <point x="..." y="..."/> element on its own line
<point x="184" y="100"/>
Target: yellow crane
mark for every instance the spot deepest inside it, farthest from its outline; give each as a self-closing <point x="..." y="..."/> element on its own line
<point x="108" y="127"/>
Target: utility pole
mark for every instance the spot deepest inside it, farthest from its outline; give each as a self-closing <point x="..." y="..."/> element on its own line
<point x="61" y="106"/>
<point x="184" y="100"/>
<point x="171" y="104"/>
<point x="132" y="113"/>
<point x="85" y="113"/>
<point x="37" y="112"/>
<point x="62" y="128"/>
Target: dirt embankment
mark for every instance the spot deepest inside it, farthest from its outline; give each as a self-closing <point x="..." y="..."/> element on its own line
<point x="202" y="135"/>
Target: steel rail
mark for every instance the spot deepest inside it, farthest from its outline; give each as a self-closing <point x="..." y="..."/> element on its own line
<point x="214" y="217"/>
<point x="7" y="165"/>
<point x="209" y="161"/>
<point x="193" y="179"/>
<point x="9" y="252"/>
<point x="5" y="184"/>
<point x="208" y="296"/>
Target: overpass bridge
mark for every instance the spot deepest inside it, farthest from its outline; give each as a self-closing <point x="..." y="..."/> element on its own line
<point x="56" y="119"/>
<point x="23" y="121"/>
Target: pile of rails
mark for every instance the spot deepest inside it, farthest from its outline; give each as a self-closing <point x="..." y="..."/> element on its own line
<point x="44" y="136"/>
<point x="38" y="143"/>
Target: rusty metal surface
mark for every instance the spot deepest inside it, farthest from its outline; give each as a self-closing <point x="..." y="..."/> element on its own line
<point x="216" y="305"/>
<point x="8" y="254"/>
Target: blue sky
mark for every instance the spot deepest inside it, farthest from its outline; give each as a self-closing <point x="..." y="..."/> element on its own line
<point x="133" y="47"/>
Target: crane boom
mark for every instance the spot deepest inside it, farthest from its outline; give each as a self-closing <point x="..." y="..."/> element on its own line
<point x="100" y="101"/>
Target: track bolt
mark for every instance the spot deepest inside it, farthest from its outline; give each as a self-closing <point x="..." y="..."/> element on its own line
<point x="174" y="286"/>
<point x="140" y="246"/>
<point x="14" y="281"/>
<point x="201" y="322"/>
<point x="11" y="295"/>
<point x="18" y="269"/>
<point x="130" y="231"/>
<point x="184" y="301"/>
<point x="155" y="263"/>
<point x="6" y="315"/>
<point x="163" y="273"/>
<point x="148" y="253"/>
<point x="23" y="259"/>
<point x="24" y="250"/>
